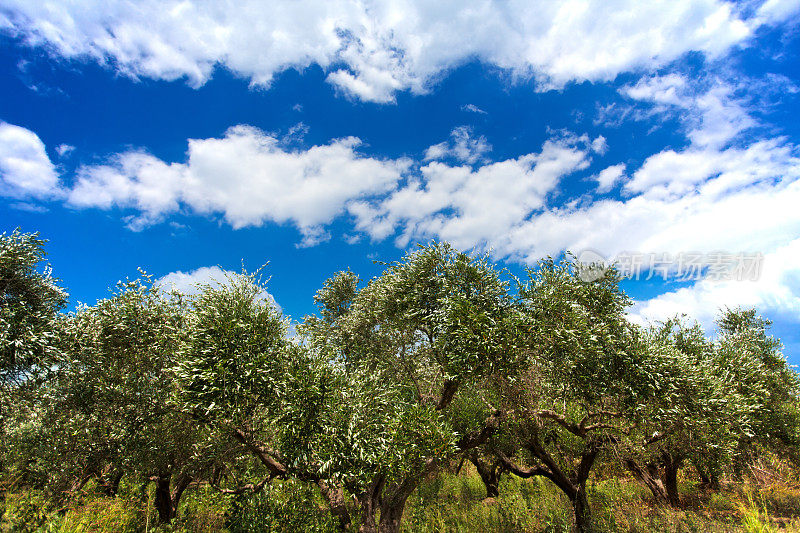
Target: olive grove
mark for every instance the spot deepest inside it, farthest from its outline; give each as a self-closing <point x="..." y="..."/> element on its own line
<point x="441" y="360"/>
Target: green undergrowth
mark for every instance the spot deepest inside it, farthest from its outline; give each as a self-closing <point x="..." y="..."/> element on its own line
<point x="444" y="503"/>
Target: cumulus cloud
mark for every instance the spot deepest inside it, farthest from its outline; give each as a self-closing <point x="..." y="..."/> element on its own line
<point x="710" y="111"/>
<point x="719" y="192"/>
<point x="472" y="207"/>
<point x="724" y="191"/>
<point x="775" y="291"/>
<point x="777" y="10"/>
<point x="462" y="146"/>
<point x="375" y="48"/>
<point x="609" y="177"/>
<point x="758" y="217"/>
<point x="247" y="176"/>
<point x="25" y="168"/>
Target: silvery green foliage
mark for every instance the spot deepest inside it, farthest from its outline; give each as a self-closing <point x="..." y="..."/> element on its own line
<point x="693" y="414"/>
<point x="581" y="381"/>
<point x="30" y="300"/>
<point x="320" y="420"/>
<point x="237" y="358"/>
<point x="437" y="315"/>
<point x="108" y="407"/>
<point x="240" y="373"/>
<point x="579" y="343"/>
<point x="754" y="368"/>
<point x="425" y="331"/>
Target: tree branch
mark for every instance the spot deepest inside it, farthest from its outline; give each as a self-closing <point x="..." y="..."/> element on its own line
<point x="264" y="454"/>
<point x="252" y="488"/>
<point x="519" y="471"/>
<point x="561" y="420"/>
<point x="480" y="436"/>
<point x="448" y="392"/>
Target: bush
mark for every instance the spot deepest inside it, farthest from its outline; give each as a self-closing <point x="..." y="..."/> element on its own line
<point x="25" y="512"/>
<point x="101" y="514"/>
<point x="288" y="506"/>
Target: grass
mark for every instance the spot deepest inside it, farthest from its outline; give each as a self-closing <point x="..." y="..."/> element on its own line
<point x="445" y="503"/>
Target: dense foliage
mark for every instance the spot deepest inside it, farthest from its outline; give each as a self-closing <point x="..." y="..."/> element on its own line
<point x="154" y="400"/>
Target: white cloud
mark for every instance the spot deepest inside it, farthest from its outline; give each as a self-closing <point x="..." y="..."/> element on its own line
<point x="190" y="283"/>
<point x="63" y="150"/>
<point x="131" y="180"/>
<point x="778" y="10"/>
<point x="723" y="192"/>
<point x="472" y="207"/>
<point x="600" y="145"/>
<point x="758" y="217"/>
<point x="708" y="108"/>
<point x="462" y="146"/>
<point x="472" y="108"/>
<point x="777" y="290"/>
<point x="374" y="48"/>
<point x="25" y="169"/>
<point x="609" y="177"/>
<point x="719" y="192"/>
<point x="670" y="173"/>
<point x="667" y="89"/>
<point x="247" y="176"/>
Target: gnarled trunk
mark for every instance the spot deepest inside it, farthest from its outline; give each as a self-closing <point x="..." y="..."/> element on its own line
<point x="582" y="511"/>
<point x="573" y="485"/>
<point x="671" y="466"/>
<point x="490" y="473"/>
<point x="382" y="506"/>
<point x="650" y="478"/>
<point x="168" y="496"/>
<point x="369" y="503"/>
<point x="383" y="514"/>
<point x="334" y="495"/>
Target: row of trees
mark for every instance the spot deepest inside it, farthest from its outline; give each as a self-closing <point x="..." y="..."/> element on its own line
<point x="438" y="360"/>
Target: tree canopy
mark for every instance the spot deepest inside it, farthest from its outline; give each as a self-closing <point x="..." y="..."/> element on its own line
<point x="441" y="358"/>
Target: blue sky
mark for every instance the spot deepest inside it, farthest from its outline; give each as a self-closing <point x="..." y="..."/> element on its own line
<point x="188" y="137"/>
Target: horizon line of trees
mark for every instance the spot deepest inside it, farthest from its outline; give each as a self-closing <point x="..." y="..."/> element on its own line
<point x="434" y="362"/>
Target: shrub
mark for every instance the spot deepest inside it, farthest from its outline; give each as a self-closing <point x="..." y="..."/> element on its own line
<point x="288" y="506"/>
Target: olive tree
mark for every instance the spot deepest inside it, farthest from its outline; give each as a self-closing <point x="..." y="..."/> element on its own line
<point x="30" y="301"/>
<point x="754" y="368"/>
<point x="243" y="377"/>
<point x="584" y="378"/>
<point x="108" y="410"/>
<point x="693" y="416"/>
<point x="427" y="328"/>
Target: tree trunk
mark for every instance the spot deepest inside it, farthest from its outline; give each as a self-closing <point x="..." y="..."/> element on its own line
<point x="369" y="503"/>
<point x="163" y="500"/>
<point x="391" y="501"/>
<point x="671" y="466"/>
<point x="573" y="485"/>
<point x="334" y="495"/>
<point x="391" y="516"/>
<point x="382" y="510"/>
<point x="168" y="497"/>
<point x="490" y="474"/>
<point x="649" y="477"/>
<point x="109" y="481"/>
<point x="583" y="513"/>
